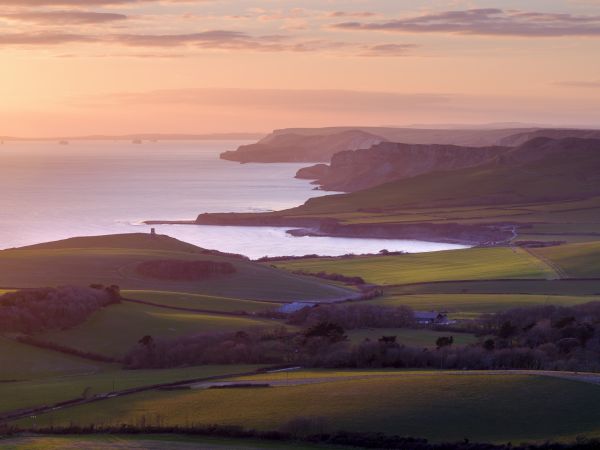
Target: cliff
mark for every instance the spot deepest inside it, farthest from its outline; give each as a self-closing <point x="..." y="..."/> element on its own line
<point x="351" y="171"/>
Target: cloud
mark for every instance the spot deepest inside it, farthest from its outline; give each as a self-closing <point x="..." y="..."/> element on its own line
<point x="487" y="22"/>
<point x="64" y="17"/>
<point x="38" y="39"/>
<point x="83" y="3"/>
<point x="388" y="50"/>
<point x="351" y="14"/>
<point x="212" y="40"/>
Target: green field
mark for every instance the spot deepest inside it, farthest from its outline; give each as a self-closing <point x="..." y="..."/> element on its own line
<point x="23" y="362"/>
<point x="116" y="329"/>
<point x="575" y="260"/>
<point x="469" y="264"/>
<point x="411" y="338"/>
<point x="147" y="442"/>
<point x="563" y="287"/>
<point x="198" y="301"/>
<point x="437" y="405"/>
<point x="466" y="305"/>
<point x="61" y="264"/>
<point x="39" y="392"/>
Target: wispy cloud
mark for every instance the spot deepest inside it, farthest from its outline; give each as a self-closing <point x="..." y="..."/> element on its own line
<point x="43" y="39"/>
<point x="487" y="22"/>
<point x="64" y="17"/>
<point x="212" y="40"/>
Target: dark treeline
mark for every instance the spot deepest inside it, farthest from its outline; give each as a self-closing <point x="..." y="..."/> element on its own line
<point x="295" y="434"/>
<point x="548" y="337"/>
<point x="332" y="277"/>
<point x="180" y="270"/>
<point x="352" y="316"/>
<point x="66" y="350"/>
<point x="35" y="310"/>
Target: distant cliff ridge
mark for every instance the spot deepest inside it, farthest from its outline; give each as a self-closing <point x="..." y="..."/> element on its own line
<point x="320" y="144"/>
<point x="300" y="148"/>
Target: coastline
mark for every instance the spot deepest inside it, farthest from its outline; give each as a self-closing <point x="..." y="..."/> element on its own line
<point x="491" y="234"/>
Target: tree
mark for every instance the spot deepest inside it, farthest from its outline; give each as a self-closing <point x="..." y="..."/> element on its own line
<point x="444" y="341"/>
<point x="331" y="331"/>
<point x="147" y="341"/>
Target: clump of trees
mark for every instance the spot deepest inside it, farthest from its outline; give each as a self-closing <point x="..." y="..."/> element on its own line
<point x="35" y="310"/>
<point x="355" y="315"/>
<point x="545" y="337"/>
<point x="354" y="281"/>
<point x="181" y="270"/>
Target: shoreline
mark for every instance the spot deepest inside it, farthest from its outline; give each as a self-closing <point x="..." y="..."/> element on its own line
<point x="484" y="235"/>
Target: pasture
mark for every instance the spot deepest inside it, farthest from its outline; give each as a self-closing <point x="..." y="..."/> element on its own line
<point x="575" y="260"/>
<point x="469" y="264"/>
<point x="114" y="330"/>
<point x="38" y="392"/>
<point x="198" y="301"/>
<point x="468" y="305"/>
<point x="24" y="362"/>
<point x="55" y="265"/>
<point x="439" y="405"/>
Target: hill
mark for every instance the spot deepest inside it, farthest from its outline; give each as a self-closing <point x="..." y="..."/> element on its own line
<point x="544" y="191"/>
<point x="113" y="260"/>
<point x="302" y="148"/>
<point x="320" y="144"/>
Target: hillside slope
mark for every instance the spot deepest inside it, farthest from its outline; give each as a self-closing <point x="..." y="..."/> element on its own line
<point x="361" y="169"/>
<point x="540" y="170"/>
<point x="114" y="260"/>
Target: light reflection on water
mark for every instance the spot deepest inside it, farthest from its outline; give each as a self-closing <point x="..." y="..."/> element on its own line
<point x="50" y="191"/>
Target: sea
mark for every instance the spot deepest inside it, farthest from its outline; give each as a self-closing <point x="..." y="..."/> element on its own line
<point x="51" y="191"/>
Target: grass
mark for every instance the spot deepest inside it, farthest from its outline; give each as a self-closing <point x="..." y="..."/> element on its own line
<point x="198" y="301"/>
<point x="409" y="337"/>
<point x="148" y="442"/>
<point x="116" y="329"/>
<point x="470" y="264"/>
<point x="26" y="394"/>
<point x="465" y="305"/>
<point x="575" y="260"/>
<point x="23" y="362"/>
<point x="54" y="265"/>
<point x="538" y="287"/>
<point x="434" y="405"/>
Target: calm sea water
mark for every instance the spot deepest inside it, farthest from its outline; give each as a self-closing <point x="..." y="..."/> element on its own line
<point x="50" y="191"/>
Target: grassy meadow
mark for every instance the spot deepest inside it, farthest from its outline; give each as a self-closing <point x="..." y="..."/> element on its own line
<point x="469" y="264"/>
<point x="199" y="301"/>
<point x="115" y="330"/>
<point x="48" y="390"/>
<point x="60" y="263"/>
<point x="442" y="406"/>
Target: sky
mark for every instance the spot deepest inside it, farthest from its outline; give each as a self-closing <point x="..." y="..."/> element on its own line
<point x="78" y="67"/>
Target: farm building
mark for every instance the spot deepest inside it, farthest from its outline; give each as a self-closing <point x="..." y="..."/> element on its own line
<point x="431" y="318"/>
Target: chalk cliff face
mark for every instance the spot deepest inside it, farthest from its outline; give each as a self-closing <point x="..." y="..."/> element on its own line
<point x="302" y="148"/>
<point x="361" y="169"/>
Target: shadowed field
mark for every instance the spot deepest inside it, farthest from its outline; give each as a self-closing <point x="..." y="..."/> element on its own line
<point x="442" y="406"/>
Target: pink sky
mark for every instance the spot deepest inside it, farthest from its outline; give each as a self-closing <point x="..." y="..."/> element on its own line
<point x="73" y="67"/>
